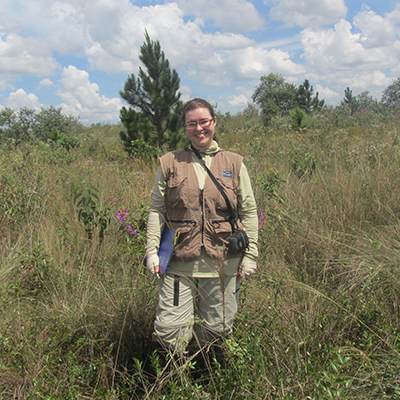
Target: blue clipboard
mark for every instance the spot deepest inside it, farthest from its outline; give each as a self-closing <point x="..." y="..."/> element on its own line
<point x="169" y="238"/>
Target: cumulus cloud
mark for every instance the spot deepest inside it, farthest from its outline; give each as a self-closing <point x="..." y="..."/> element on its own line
<point x="376" y="30"/>
<point x="306" y="13"/>
<point x="366" y="81"/>
<point x="20" y="99"/>
<point x="7" y="25"/>
<point x="25" y="56"/>
<point x="326" y="93"/>
<point x="230" y="15"/>
<point x="81" y="98"/>
<point x="339" y="49"/>
<point x="199" y="54"/>
<point x="119" y="51"/>
<point x="46" y="83"/>
<point x="61" y="24"/>
<point x="250" y="63"/>
<point x="240" y="101"/>
<point x="229" y="41"/>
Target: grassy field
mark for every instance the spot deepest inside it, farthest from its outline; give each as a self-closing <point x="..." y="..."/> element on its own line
<point x="320" y="320"/>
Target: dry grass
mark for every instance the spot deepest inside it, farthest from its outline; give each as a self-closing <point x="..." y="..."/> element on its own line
<point x="320" y="319"/>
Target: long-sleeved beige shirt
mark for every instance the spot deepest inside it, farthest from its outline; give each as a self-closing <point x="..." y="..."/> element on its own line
<point x="205" y="266"/>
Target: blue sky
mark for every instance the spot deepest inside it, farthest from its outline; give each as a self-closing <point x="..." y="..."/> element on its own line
<point x="77" y="54"/>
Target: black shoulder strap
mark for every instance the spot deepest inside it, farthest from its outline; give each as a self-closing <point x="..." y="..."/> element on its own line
<point x="232" y="213"/>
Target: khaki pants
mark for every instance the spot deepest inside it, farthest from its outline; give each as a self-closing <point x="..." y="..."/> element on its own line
<point x="181" y="297"/>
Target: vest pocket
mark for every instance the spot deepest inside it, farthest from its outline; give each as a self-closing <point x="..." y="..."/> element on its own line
<point x="176" y="194"/>
<point x="229" y="187"/>
<point x="221" y="231"/>
<point x="186" y="229"/>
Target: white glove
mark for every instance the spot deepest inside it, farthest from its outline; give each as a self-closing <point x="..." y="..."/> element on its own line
<point x="247" y="268"/>
<point x="151" y="261"/>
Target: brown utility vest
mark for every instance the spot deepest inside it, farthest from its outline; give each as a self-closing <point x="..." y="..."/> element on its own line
<point x="201" y="216"/>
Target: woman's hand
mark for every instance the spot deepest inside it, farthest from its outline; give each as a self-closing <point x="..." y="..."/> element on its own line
<point x="152" y="262"/>
<point x="247" y="268"/>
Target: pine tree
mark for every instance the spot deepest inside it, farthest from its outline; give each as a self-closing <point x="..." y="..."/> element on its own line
<point x="153" y="97"/>
<point x="350" y="100"/>
<point x="306" y="100"/>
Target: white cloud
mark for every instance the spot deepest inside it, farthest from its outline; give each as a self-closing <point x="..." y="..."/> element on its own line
<point x="340" y="50"/>
<point x="112" y="33"/>
<point x="61" y="24"/>
<point x="25" y="56"/>
<point x="366" y="81"/>
<point x="20" y="99"/>
<point x="307" y="13"/>
<point x="102" y="60"/>
<point x="251" y="63"/>
<point x="238" y="101"/>
<point x="394" y="16"/>
<point x="119" y="51"/>
<point x="7" y="25"/>
<point x="376" y="30"/>
<point x="200" y="54"/>
<point x="229" y="41"/>
<point x="326" y="93"/>
<point x="186" y="93"/>
<point x="46" y="83"/>
<point x="81" y="98"/>
<point x="230" y="15"/>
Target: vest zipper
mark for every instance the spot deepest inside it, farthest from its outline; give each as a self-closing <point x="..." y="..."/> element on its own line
<point x="202" y="215"/>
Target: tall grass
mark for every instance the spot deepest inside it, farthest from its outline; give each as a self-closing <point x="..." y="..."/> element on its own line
<point x="320" y="320"/>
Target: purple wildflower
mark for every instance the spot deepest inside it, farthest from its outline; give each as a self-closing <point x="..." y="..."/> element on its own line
<point x="262" y="219"/>
<point x="121" y="216"/>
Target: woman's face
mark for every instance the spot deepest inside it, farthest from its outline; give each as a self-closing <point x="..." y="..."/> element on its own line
<point x="200" y="127"/>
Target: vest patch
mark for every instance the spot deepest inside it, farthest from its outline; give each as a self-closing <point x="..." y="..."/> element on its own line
<point x="227" y="174"/>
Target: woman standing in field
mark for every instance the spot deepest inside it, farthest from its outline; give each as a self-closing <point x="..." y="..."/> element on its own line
<point x="203" y="276"/>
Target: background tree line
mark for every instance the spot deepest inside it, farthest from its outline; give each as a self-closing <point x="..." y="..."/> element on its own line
<point x="48" y="125"/>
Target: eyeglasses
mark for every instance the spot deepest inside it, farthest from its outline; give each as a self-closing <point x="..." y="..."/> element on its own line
<point x="204" y="123"/>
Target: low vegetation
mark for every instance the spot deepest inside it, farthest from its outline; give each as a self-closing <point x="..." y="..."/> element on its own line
<point x="320" y="320"/>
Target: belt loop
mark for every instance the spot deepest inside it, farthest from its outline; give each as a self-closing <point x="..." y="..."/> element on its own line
<point x="176" y="291"/>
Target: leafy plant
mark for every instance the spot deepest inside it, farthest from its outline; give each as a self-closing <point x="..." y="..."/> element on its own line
<point x="269" y="183"/>
<point x="140" y="149"/>
<point x="63" y="140"/>
<point x="336" y="379"/>
<point x="303" y="162"/>
<point x="298" y="118"/>
<point x="90" y="212"/>
<point x="32" y="273"/>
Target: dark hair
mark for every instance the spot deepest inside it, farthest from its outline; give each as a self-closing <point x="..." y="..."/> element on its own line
<point x="197" y="103"/>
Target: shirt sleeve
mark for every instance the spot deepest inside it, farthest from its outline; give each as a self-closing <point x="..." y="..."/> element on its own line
<point x="247" y="210"/>
<point x="156" y="220"/>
